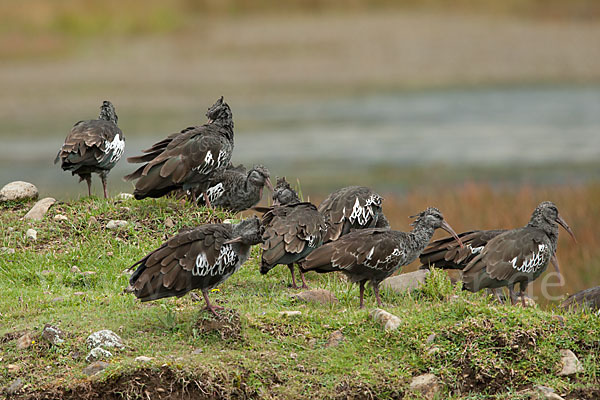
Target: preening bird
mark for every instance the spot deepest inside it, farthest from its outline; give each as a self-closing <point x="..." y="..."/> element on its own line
<point x="93" y="146"/>
<point x="188" y="159"/>
<point x="374" y="254"/>
<point x="198" y="258"/>
<point x="292" y="230"/>
<point x="518" y="255"/>
<point x="351" y="208"/>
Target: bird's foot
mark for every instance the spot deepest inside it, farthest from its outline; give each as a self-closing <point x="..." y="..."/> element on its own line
<point x="213" y="309"/>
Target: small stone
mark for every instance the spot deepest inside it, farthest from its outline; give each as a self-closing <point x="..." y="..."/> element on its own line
<point x="58" y="299"/>
<point x="95" y="367"/>
<point x="547" y="393"/>
<point x="60" y="218"/>
<point x="92" y="221"/>
<point x="14" y="387"/>
<point x="293" y="356"/>
<point x="18" y="190"/>
<point x="433" y="350"/>
<point x="7" y="250"/>
<point x="53" y="335"/>
<point x="88" y="273"/>
<point x="31" y="234"/>
<point x="75" y="269"/>
<point x="169" y="223"/>
<point x="290" y="313"/>
<point x="389" y="321"/>
<point x="12" y="368"/>
<point x="79" y="294"/>
<point x="335" y="339"/>
<point x="430" y="338"/>
<point x="320" y="296"/>
<point x="25" y="341"/>
<point x="104" y="338"/>
<point x="427" y="385"/>
<point x="116" y="224"/>
<point x="125" y="196"/>
<point x="40" y="209"/>
<point x="197" y="351"/>
<point x="98" y="353"/>
<point x="143" y="359"/>
<point x="570" y="363"/>
<point x="406" y="282"/>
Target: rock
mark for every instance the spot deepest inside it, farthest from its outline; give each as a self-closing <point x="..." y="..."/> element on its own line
<point x="7" y="250"/>
<point x="18" y="190"/>
<point x="58" y="299"/>
<point x="92" y="221"/>
<point x="405" y="282"/>
<point x="75" y="269"/>
<point x="53" y="335"/>
<point x="427" y="385"/>
<point x="25" y="341"/>
<point x="95" y="367"/>
<point x="335" y="339"/>
<point x="14" y="387"/>
<point x="570" y="364"/>
<point x="79" y="294"/>
<point x="143" y="359"/>
<point x="40" y="209"/>
<point x="529" y="302"/>
<point x="98" y="353"/>
<point x="169" y="222"/>
<point x="88" y="273"/>
<point x="389" y="321"/>
<point x="433" y="350"/>
<point x="31" y="234"/>
<point x="320" y="296"/>
<point x="12" y="368"/>
<point x="546" y="393"/>
<point x="125" y="196"/>
<point x="197" y="351"/>
<point x="430" y="338"/>
<point x="104" y="338"/>
<point x="116" y="224"/>
<point x="290" y="313"/>
<point x="60" y="218"/>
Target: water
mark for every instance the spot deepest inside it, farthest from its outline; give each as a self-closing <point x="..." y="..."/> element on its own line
<point x="328" y="139"/>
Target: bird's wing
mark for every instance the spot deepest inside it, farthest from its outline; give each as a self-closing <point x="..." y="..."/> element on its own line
<point x="92" y="142"/>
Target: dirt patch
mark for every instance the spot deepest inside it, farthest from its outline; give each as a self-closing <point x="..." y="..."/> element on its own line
<point x="584" y="394"/>
<point x="7" y="337"/>
<point x="227" y="325"/>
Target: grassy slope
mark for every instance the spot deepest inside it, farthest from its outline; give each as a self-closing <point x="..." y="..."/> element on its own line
<point x="485" y="350"/>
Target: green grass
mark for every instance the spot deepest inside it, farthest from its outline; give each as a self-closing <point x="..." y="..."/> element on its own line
<point x="480" y="350"/>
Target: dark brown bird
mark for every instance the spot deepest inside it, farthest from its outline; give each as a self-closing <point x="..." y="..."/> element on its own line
<point x="374" y="254"/>
<point x="588" y="298"/>
<point x="198" y="258"/>
<point x="186" y="160"/>
<point x="351" y="208"/>
<point x="292" y="230"/>
<point x="93" y="146"/>
<point x="517" y="256"/>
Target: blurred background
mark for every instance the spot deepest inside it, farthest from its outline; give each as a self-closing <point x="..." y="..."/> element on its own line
<point x="482" y="108"/>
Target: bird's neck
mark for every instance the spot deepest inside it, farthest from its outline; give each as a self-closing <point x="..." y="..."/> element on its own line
<point x="420" y="236"/>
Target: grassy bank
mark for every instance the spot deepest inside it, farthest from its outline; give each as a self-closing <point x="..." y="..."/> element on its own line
<point x="479" y="349"/>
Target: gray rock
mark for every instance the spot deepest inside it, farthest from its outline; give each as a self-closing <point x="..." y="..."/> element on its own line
<point x="98" y="353"/>
<point x="143" y="359"/>
<point x="335" y="339"/>
<point x="25" y="341"/>
<point x="197" y="351"/>
<point x="546" y="393"/>
<point x="116" y="224"/>
<point x="320" y="296"/>
<point x="40" y="209"/>
<point x="75" y="269"/>
<point x="389" y="321"/>
<point x="104" y="338"/>
<point x="405" y="282"/>
<point x="14" y="387"/>
<point x="53" y="335"/>
<point x="430" y="338"/>
<point x="31" y="234"/>
<point x="428" y="385"/>
<point x="125" y="196"/>
<point x="18" y="190"/>
<point x="290" y="313"/>
<point x="7" y="250"/>
<point x="95" y="367"/>
<point x="169" y="222"/>
<point x="570" y="363"/>
<point x="60" y="218"/>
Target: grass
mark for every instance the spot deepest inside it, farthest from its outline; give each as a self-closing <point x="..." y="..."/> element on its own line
<point x="480" y="349"/>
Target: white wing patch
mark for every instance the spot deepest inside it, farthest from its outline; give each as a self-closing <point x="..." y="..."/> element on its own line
<point x="475" y="250"/>
<point x="361" y="214"/>
<point x="215" y="192"/>
<point x="116" y="147"/>
<point x="532" y="264"/>
<point x="227" y="258"/>
<point x="369" y="261"/>
<point x="210" y="164"/>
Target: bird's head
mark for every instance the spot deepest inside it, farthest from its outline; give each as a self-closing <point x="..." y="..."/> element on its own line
<point x="284" y="194"/>
<point x="259" y="176"/>
<point x="220" y="113"/>
<point x="433" y="218"/>
<point x="546" y="216"/>
<point x="107" y="112"/>
<point x="248" y="232"/>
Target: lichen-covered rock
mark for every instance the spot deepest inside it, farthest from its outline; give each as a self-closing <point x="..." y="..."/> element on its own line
<point x="31" y="234"/>
<point x="98" y="353"/>
<point x="104" y="338"/>
<point x="428" y="385"/>
<point x="570" y="363"/>
<point x="18" y="190"/>
<point x="116" y="224"/>
<point x="40" y="209"/>
<point x="389" y="321"/>
<point x="53" y="334"/>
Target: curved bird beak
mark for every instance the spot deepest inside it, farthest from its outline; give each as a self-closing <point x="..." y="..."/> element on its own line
<point x="554" y="261"/>
<point x="445" y="226"/>
<point x="269" y="185"/>
<point x="275" y="202"/>
<point x="566" y="226"/>
<point x="234" y="240"/>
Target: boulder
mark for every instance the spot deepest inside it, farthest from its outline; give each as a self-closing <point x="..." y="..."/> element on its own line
<point x="320" y="296"/>
<point x="428" y="385"/>
<point x="18" y="190"/>
<point x="40" y="209"/>
<point x="98" y="353"/>
<point x="104" y="338"/>
<point x="405" y="282"/>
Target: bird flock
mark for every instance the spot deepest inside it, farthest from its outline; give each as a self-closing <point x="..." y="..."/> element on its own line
<point x="348" y="232"/>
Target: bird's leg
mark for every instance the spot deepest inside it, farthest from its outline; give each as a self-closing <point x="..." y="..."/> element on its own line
<point x="376" y="291"/>
<point x="103" y="178"/>
<point x="291" y="267"/>
<point x="206" y="200"/>
<point x="210" y="307"/>
<point x="523" y="287"/>
<point x="304" y="284"/>
<point x="496" y="293"/>
<point x="88" y="179"/>
<point x="362" y="293"/>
